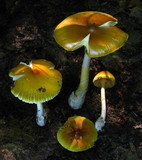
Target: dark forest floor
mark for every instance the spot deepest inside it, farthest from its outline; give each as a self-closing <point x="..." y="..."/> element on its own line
<point x="26" y="31"/>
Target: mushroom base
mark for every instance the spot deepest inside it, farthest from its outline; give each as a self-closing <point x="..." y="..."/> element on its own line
<point x="99" y="124"/>
<point x="76" y="99"/>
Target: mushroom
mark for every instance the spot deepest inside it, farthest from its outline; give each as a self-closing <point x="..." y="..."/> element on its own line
<point x="95" y="31"/>
<point x="77" y="134"/>
<point x="103" y="80"/>
<point x="36" y="83"/>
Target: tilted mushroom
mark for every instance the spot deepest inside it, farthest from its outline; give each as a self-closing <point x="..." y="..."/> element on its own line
<point x="36" y="83"/>
<point x="95" y="31"/>
<point x="103" y="80"/>
<point x="77" y="134"/>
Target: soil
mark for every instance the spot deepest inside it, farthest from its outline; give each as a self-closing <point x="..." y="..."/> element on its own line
<point x="26" y="29"/>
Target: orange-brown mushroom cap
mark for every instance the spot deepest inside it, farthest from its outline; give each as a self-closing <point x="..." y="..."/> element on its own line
<point x="104" y="79"/>
<point x="97" y="27"/>
<point x="77" y="134"/>
<point x="37" y="82"/>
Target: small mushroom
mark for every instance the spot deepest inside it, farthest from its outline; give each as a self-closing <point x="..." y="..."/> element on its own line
<point x="103" y="80"/>
<point x="77" y="134"/>
<point x="36" y="83"/>
<point x="95" y="31"/>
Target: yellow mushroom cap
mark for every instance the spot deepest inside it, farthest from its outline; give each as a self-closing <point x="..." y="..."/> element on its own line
<point x="37" y="82"/>
<point x="104" y="79"/>
<point x="94" y="28"/>
<point x="77" y="134"/>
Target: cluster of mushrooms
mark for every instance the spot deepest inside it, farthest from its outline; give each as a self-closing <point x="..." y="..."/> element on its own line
<point x="96" y="31"/>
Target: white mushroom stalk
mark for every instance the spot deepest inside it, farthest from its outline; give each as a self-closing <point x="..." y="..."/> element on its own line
<point x="77" y="97"/>
<point x="103" y="103"/>
<point x="41" y="116"/>
<point x="100" y="123"/>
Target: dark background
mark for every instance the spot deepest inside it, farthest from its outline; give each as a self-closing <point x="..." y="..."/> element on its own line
<point x="26" y="33"/>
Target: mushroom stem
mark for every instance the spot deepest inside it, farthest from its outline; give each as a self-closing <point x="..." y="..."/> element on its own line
<point x="77" y="97"/>
<point x="103" y="102"/>
<point x="41" y="115"/>
<point x="100" y="123"/>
